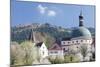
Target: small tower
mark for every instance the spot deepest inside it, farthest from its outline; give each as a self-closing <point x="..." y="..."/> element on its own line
<point x="81" y="19"/>
<point x="35" y="37"/>
<point x="32" y="36"/>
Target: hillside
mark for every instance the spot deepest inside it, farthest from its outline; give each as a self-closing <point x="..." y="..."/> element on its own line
<point x="45" y="31"/>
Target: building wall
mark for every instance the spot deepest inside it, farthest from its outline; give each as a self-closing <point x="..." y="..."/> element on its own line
<point x="65" y="49"/>
<point x="71" y="49"/>
<point x="74" y="45"/>
<point x="43" y="51"/>
<point x="55" y="52"/>
<point x="76" y="42"/>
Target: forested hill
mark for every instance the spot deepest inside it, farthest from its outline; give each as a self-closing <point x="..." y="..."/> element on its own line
<point x="54" y="33"/>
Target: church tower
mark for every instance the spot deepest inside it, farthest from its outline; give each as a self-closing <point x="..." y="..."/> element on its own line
<point x="81" y="19"/>
<point x="32" y="36"/>
<point x="35" y="37"/>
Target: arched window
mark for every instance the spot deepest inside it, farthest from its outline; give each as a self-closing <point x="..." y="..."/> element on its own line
<point x="56" y="52"/>
<point x="63" y="42"/>
<point x="51" y="52"/>
<point x="81" y="40"/>
<point x="64" y="49"/>
<point x="43" y="52"/>
<point x="77" y="46"/>
<point x="68" y="42"/>
<point x="72" y="41"/>
<point x="77" y="41"/>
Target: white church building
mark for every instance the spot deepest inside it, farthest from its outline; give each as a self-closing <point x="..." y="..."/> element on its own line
<point x="39" y="44"/>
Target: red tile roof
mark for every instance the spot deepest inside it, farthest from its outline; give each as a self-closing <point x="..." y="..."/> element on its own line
<point x="55" y="47"/>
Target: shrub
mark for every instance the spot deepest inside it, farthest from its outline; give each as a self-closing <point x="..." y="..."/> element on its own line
<point x="56" y="60"/>
<point x="84" y="51"/>
<point x="23" y="54"/>
<point x="30" y="52"/>
<point x="70" y="58"/>
<point x="16" y="55"/>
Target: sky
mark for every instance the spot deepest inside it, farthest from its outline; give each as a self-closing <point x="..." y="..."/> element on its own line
<point x="64" y="15"/>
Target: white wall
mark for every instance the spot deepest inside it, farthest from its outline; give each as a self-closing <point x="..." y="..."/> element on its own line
<point x="45" y="50"/>
<point x="72" y="42"/>
<point x="55" y="52"/>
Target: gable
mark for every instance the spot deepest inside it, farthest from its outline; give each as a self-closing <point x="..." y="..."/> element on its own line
<point x="55" y="47"/>
<point x="39" y="44"/>
<point x="43" y="45"/>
